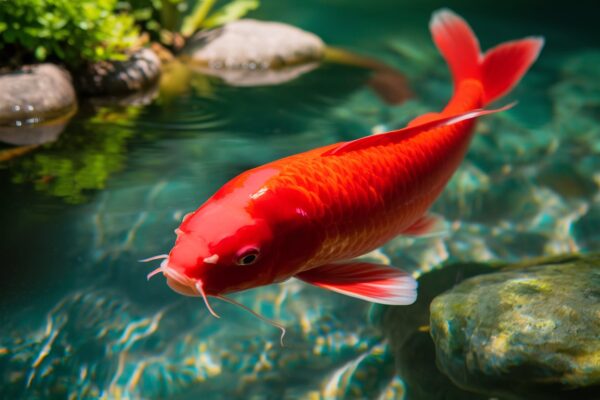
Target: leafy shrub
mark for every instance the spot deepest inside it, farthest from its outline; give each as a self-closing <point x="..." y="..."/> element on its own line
<point x="71" y="31"/>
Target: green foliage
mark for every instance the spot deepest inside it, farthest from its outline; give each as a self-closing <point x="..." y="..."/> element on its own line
<point x="231" y="12"/>
<point x="156" y="15"/>
<point x="201" y="17"/>
<point x="193" y="21"/>
<point x="185" y="16"/>
<point x="76" y="31"/>
<point x="72" y="31"/>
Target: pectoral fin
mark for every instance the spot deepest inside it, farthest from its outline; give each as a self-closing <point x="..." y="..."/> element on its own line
<point x="428" y="225"/>
<point x="371" y="282"/>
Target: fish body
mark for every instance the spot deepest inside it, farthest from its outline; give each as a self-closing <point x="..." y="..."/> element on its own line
<point x="309" y="215"/>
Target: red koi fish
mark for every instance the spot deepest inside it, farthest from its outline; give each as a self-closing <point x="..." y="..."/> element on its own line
<point x="309" y="215"/>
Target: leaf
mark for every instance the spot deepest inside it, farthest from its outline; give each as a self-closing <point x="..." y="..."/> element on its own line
<point x="40" y="53"/>
<point x="231" y="12"/>
<point x="194" y="21"/>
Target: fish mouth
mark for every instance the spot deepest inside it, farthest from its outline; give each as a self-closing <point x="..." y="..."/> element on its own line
<point x="181" y="288"/>
<point x="178" y="282"/>
<point x="186" y="286"/>
<point x="182" y="284"/>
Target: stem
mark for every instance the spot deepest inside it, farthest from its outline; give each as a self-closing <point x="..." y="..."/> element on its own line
<point x="195" y="20"/>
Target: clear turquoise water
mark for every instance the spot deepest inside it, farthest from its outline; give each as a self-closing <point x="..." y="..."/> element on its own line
<point x="79" y="319"/>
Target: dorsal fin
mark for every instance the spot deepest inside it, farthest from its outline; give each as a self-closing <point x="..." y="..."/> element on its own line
<point x="397" y="136"/>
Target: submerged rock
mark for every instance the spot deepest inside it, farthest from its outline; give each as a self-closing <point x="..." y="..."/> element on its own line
<point x="32" y="134"/>
<point x="249" y="52"/>
<point x="258" y="77"/>
<point x="585" y="230"/>
<point x="139" y="72"/>
<point x="530" y="331"/>
<point x="34" y="94"/>
<point x="406" y="329"/>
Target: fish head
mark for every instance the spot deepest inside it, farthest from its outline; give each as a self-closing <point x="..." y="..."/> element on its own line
<point x="228" y="244"/>
<point x="246" y="235"/>
<point x="221" y="247"/>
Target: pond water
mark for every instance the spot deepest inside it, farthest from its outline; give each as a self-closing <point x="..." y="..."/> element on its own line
<point x="79" y="319"/>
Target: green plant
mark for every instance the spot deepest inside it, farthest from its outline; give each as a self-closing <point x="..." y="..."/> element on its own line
<point x="202" y="18"/>
<point x="165" y="18"/>
<point x="155" y="15"/>
<point x="72" y="31"/>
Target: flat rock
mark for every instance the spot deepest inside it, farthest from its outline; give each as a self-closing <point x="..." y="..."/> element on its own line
<point x="531" y="331"/>
<point x="139" y="72"/>
<point x="254" y="45"/>
<point x="34" y="94"/>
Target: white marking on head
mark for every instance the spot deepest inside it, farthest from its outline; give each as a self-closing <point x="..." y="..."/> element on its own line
<point x="259" y="193"/>
<point x="212" y="259"/>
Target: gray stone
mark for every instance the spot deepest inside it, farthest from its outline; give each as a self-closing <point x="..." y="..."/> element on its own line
<point x="31" y="134"/>
<point x="253" y="45"/>
<point x="34" y="94"/>
<point x="139" y="72"/>
<point x="257" y="77"/>
<point x="530" y="331"/>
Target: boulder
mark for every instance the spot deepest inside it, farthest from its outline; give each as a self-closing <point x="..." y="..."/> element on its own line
<point x="257" y="77"/>
<point x="407" y="330"/>
<point x="139" y="72"/>
<point x="529" y="331"/>
<point x="34" y="94"/>
<point x="252" y="48"/>
<point x="32" y="134"/>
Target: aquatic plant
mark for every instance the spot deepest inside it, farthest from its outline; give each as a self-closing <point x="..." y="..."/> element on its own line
<point x="202" y="18"/>
<point x="68" y="31"/>
<point x="168" y="20"/>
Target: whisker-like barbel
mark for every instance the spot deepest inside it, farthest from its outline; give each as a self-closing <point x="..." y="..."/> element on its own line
<point x="201" y="291"/>
<point x="158" y="257"/>
<point x="257" y="315"/>
<point x="156" y="271"/>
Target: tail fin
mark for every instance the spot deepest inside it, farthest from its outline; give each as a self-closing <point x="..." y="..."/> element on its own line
<point x="499" y="69"/>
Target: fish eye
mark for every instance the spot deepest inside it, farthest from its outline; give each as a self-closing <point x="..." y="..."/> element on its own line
<point x="247" y="256"/>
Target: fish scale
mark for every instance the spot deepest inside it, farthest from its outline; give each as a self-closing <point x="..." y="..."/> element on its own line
<point x="363" y="199"/>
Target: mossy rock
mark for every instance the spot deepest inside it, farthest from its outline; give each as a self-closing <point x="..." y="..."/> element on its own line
<point x="406" y="329"/>
<point x="529" y="331"/>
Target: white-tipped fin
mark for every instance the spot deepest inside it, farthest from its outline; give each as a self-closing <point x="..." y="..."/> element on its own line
<point x="371" y="282"/>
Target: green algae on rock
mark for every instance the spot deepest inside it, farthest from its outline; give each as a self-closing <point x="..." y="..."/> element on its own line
<point x="530" y="330"/>
<point x="406" y="329"/>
